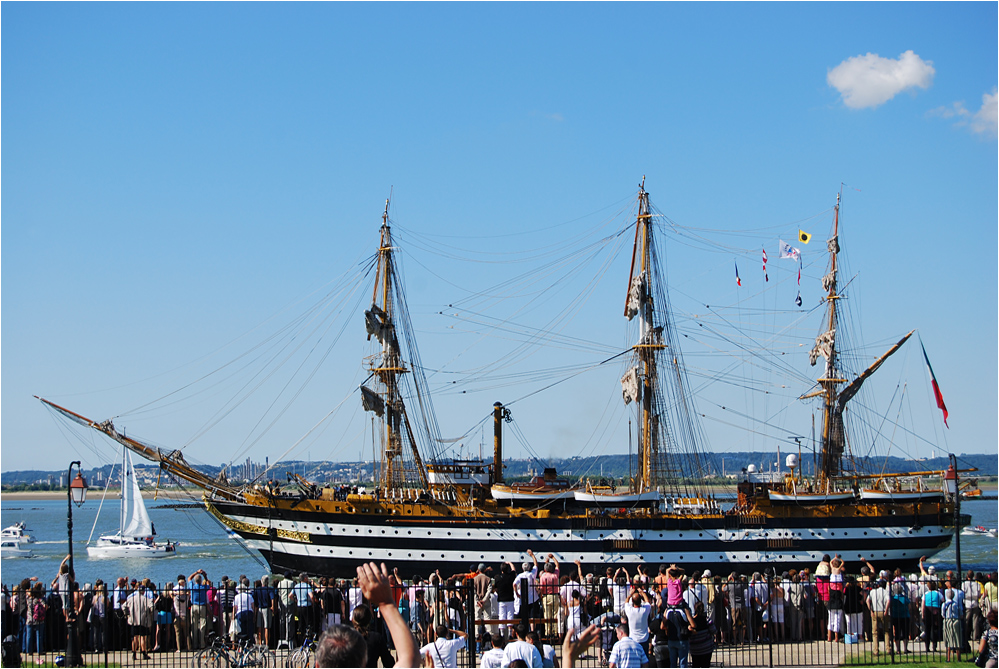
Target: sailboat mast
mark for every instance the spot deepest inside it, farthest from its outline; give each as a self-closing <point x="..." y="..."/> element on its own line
<point x="125" y="485"/>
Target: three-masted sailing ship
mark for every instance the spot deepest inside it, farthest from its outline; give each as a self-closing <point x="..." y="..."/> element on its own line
<point x="426" y="509"/>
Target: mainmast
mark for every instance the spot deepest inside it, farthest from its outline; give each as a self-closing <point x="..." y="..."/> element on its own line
<point x="387" y="368"/>
<point x="643" y="375"/>
<point x="390" y="366"/>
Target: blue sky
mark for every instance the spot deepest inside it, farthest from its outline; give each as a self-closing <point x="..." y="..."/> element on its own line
<point x="174" y="174"/>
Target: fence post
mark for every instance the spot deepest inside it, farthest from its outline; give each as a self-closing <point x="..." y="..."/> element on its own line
<point x="772" y="626"/>
<point x="470" y="642"/>
<point x="524" y="606"/>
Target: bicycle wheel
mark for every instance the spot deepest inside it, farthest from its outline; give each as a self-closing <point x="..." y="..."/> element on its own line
<point x="302" y="657"/>
<point x="250" y="657"/>
<point x="210" y="657"/>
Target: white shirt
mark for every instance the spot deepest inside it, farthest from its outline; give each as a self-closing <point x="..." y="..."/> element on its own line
<point x="444" y="652"/>
<point x="565" y="591"/>
<point x="620" y="595"/>
<point x="492" y="659"/>
<point x="521" y="650"/>
<point x="878" y="599"/>
<point x="355" y="597"/>
<point x="243" y="602"/>
<point x="972" y="591"/>
<point x="532" y="591"/>
<point x="698" y="593"/>
<point x="638" y="621"/>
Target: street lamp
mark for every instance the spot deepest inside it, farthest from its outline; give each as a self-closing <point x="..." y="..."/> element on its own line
<point x="76" y="494"/>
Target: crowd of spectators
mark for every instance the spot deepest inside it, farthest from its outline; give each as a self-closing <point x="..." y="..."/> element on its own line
<point x="519" y="613"/>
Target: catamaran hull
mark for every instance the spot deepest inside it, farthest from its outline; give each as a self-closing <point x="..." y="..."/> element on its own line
<point x="335" y="543"/>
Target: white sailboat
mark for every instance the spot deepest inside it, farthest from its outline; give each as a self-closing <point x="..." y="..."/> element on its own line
<point x="134" y="538"/>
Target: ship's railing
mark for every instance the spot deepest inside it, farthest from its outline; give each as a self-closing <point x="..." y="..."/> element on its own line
<point x="764" y="619"/>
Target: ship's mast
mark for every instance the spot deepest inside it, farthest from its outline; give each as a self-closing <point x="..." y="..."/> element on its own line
<point x="834" y="400"/>
<point x="832" y="429"/>
<point x="390" y="366"/>
<point x="640" y="303"/>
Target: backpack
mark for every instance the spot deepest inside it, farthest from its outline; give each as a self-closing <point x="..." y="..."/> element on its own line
<point x="679" y="622"/>
<point x="11" y="652"/>
<point x="37" y="611"/>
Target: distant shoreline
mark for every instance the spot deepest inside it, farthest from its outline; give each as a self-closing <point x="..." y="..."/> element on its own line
<point x="48" y="495"/>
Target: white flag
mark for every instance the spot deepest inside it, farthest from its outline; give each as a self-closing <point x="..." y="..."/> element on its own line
<point x="788" y="251"/>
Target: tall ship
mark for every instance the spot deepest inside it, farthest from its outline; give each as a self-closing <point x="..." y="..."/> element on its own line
<point x="427" y="510"/>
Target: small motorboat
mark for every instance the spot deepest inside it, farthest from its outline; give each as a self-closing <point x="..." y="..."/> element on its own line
<point x="979" y="530"/>
<point x="16" y="531"/>
<point x="11" y="548"/>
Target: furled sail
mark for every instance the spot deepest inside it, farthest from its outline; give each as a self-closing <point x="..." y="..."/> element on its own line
<point x="376" y="323"/>
<point x="137" y="523"/>
<point x="629" y="385"/>
<point x="372" y="401"/>
<point x="824" y="346"/>
<point x="635" y="295"/>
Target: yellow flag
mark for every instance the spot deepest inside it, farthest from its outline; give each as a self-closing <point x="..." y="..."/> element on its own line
<point x="804" y="237"/>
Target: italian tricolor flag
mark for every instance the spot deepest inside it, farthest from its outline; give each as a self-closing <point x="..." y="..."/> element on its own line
<point x="936" y="386"/>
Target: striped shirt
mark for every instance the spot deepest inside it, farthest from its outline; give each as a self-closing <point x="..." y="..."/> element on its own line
<point x="627" y="653"/>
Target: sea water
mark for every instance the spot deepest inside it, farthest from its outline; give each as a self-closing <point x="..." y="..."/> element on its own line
<point x="205" y="544"/>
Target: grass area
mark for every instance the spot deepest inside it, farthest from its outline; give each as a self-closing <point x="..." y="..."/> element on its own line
<point x="868" y="659"/>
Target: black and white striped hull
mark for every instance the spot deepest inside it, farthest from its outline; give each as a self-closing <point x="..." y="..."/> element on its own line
<point x="334" y="544"/>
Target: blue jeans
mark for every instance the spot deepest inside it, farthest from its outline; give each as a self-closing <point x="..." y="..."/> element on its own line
<point x="36" y="634"/>
<point x="678" y="652"/>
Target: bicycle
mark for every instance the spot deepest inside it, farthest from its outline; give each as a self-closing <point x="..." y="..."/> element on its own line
<point x="302" y="656"/>
<point x="244" y="654"/>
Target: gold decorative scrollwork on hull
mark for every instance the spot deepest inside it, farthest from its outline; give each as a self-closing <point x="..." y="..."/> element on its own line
<point x="239" y="526"/>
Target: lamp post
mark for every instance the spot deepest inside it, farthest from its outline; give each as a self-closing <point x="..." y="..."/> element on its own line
<point x="76" y="494"/>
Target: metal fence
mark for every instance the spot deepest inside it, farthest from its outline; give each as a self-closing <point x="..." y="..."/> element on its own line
<point x="771" y="620"/>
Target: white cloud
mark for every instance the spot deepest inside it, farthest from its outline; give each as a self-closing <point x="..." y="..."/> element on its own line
<point x="983" y="122"/>
<point x="869" y="81"/>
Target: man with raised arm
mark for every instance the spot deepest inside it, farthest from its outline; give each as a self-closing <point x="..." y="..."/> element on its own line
<point x="341" y="646"/>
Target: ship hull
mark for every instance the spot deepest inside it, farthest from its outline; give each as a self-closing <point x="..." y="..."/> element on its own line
<point x="325" y="543"/>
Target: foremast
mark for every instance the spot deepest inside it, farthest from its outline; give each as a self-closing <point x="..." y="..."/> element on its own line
<point x="834" y="400"/>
